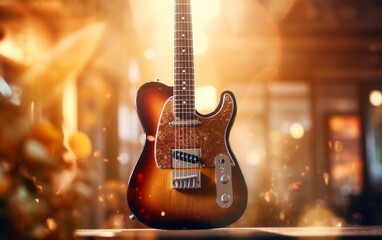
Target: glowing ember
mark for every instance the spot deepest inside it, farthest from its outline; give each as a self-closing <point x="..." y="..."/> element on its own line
<point x="51" y="223"/>
<point x="282" y="216"/>
<point x="97" y="153"/>
<point x="267" y="197"/>
<point x="295" y="185"/>
<point x="326" y="178"/>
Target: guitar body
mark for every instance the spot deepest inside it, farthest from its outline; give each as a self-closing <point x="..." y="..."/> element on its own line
<point x="153" y="194"/>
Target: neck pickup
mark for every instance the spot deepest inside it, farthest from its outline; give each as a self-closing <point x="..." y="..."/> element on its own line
<point x="185" y="123"/>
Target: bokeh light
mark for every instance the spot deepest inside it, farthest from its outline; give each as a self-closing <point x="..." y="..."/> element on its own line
<point x="296" y="130"/>
<point x="375" y="98"/>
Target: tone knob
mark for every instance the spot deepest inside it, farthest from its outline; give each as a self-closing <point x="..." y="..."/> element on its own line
<point x="225" y="179"/>
<point x="225" y="198"/>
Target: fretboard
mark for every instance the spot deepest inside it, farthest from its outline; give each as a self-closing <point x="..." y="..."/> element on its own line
<point x="184" y="85"/>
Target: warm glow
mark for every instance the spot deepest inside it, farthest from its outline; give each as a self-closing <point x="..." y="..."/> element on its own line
<point x="127" y="123"/>
<point x="375" y="98"/>
<point x="133" y="71"/>
<point x="204" y="11"/>
<point x="320" y="215"/>
<point x="274" y="136"/>
<point x="347" y="126"/>
<point x="26" y="44"/>
<point x="296" y="130"/>
<point x="200" y="43"/>
<point x="205" y="101"/>
<point x="150" y="54"/>
<point x="8" y="49"/>
<point x="69" y="110"/>
<point x="254" y="157"/>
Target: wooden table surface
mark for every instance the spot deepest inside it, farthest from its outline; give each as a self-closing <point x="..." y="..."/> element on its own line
<point x="332" y="233"/>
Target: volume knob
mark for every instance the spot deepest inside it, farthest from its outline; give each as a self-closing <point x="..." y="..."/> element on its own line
<point x="225" y="198"/>
<point x="225" y="179"/>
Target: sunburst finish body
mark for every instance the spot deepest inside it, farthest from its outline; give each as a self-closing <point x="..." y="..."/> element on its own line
<point x="150" y="195"/>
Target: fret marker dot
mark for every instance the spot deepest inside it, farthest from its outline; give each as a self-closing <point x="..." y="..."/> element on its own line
<point x="183" y="35"/>
<point x="184" y="102"/>
<point x="184" y="70"/>
<point x="184" y="50"/>
<point x="182" y="18"/>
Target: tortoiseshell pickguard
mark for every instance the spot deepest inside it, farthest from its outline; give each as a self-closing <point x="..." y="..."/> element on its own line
<point x="210" y="136"/>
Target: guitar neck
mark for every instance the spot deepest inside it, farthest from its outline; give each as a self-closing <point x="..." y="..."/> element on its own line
<point x="184" y="84"/>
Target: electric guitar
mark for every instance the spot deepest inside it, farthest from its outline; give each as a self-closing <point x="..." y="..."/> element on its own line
<point x="187" y="176"/>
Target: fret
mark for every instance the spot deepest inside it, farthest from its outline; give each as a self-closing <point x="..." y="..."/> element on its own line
<point x="183" y="18"/>
<point x="184" y="93"/>
<point x="185" y="61"/>
<point x="184" y="96"/>
<point x="183" y="99"/>
<point x="183" y="35"/>
<point x="180" y="97"/>
<point x="180" y="81"/>
<point x="184" y="46"/>
<point x="183" y="86"/>
<point x="186" y="110"/>
<point x="181" y="30"/>
<point x="181" y="51"/>
<point x="184" y="104"/>
<point x="179" y="105"/>
<point x="183" y="71"/>
<point x="188" y="113"/>
<point x="190" y="110"/>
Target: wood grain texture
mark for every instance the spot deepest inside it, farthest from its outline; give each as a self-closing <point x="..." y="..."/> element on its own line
<point x="150" y="196"/>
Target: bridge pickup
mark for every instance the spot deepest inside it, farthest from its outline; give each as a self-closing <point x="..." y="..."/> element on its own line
<point x="185" y="122"/>
<point x="191" y="156"/>
<point x="186" y="179"/>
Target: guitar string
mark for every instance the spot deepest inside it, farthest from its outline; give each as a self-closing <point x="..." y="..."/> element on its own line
<point x="192" y="85"/>
<point x="184" y="128"/>
<point x="184" y="102"/>
<point x="185" y="83"/>
<point x="175" y="98"/>
<point x="182" y="68"/>
<point x="188" y="75"/>
<point x="186" y="80"/>
<point x="179" y="28"/>
<point x="191" y="81"/>
<point x="194" y="96"/>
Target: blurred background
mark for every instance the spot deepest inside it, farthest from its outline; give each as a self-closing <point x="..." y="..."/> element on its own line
<point x="307" y="75"/>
